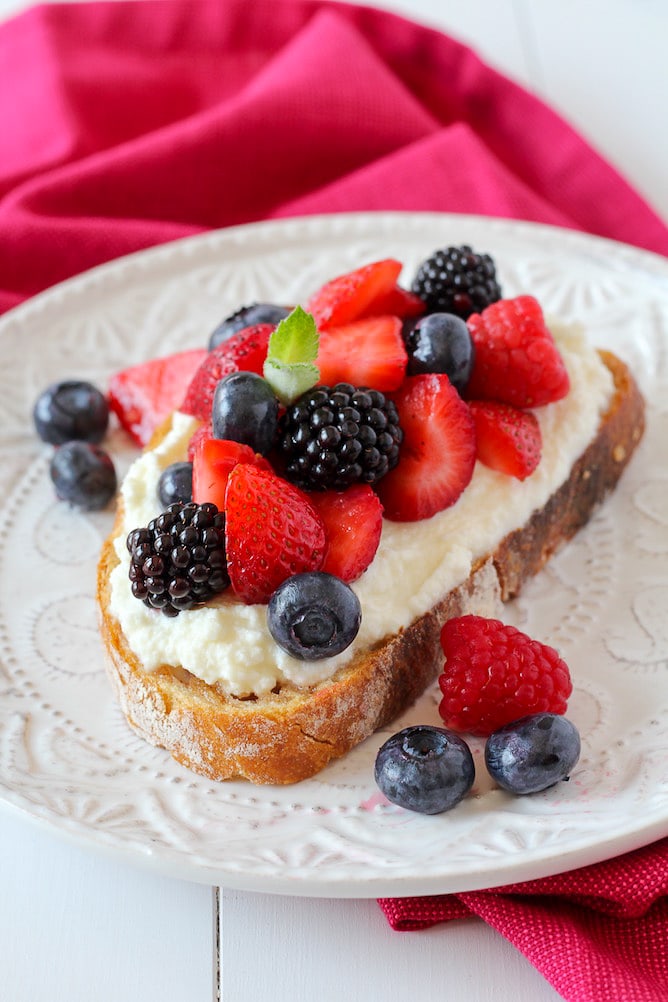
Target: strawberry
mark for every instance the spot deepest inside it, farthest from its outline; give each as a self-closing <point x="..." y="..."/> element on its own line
<point x="494" y="674"/>
<point x="365" y="353"/>
<point x="398" y="302"/>
<point x="143" y="395"/>
<point x="272" y="532"/>
<point x="438" y="451"/>
<point x="516" y="359"/>
<point x="353" y="521"/>
<point x="204" y="431"/>
<point x="245" y="351"/>
<point x="507" y="439"/>
<point x="213" y="461"/>
<point x="346" y="297"/>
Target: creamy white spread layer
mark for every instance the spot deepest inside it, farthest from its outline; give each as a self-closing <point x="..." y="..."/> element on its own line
<point x="416" y="564"/>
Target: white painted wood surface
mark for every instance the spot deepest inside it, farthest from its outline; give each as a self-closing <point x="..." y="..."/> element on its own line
<point x="77" y="926"/>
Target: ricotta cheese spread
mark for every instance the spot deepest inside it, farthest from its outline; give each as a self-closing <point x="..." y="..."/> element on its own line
<point x="416" y="565"/>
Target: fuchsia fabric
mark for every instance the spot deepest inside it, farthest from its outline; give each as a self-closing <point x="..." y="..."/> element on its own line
<point x="124" y="125"/>
<point x="598" y="934"/>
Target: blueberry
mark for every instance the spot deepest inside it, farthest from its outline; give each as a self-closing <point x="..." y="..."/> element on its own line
<point x="425" y="769"/>
<point x="176" y="484"/>
<point x="72" y="409"/>
<point x="83" y="474"/>
<point x="247" y="316"/>
<point x="245" y="409"/>
<point x="440" y="342"/>
<point x="313" y="616"/>
<point x="532" y="753"/>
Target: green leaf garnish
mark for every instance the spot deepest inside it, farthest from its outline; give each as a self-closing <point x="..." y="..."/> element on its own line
<point x="290" y="367"/>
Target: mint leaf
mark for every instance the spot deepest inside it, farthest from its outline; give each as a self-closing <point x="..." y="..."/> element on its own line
<point x="290" y="366"/>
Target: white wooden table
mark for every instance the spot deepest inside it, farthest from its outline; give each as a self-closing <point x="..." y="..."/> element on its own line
<point x="77" y="926"/>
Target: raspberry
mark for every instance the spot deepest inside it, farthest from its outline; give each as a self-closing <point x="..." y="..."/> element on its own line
<point x="516" y="359"/>
<point x="494" y="674"/>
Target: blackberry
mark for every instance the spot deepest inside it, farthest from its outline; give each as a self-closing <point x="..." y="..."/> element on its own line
<point x="332" y="437"/>
<point x="178" y="560"/>
<point x="457" y="280"/>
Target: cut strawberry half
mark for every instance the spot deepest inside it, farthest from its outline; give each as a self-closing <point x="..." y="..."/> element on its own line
<point x="353" y="521"/>
<point x="398" y="302"/>
<point x="245" y="351"/>
<point x="272" y="532"/>
<point x="367" y="352"/>
<point x="143" y="395"/>
<point x="516" y="359"/>
<point x="507" y="439"/>
<point x="345" y="298"/>
<point x="213" y="461"/>
<point x="437" y="454"/>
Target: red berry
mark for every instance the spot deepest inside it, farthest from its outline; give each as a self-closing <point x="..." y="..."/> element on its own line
<point x="398" y="302"/>
<point x="213" y="461"/>
<point x="438" y="451"/>
<point x="507" y="439"/>
<point x="353" y="521"/>
<point x="346" y="297"/>
<point x="202" y="432"/>
<point x="272" y="532"/>
<point x="245" y="351"/>
<point x="516" y="359"/>
<point x="143" y="395"/>
<point x="494" y="674"/>
<point x="367" y="352"/>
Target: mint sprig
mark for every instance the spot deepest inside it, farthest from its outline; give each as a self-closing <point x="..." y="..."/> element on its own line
<point x="290" y="367"/>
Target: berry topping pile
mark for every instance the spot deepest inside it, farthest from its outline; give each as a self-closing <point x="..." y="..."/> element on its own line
<point x="314" y="425"/>
<point x="457" y="280"/>
<point x="494" y="674"/>
<point x="178" y="561"/>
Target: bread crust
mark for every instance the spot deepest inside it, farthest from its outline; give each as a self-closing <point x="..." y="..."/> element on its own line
<point x="291" y="734"/>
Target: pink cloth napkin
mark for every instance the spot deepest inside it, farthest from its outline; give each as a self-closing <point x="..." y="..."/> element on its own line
<point x="125" y="125"/>
<point x="596" y="934"/>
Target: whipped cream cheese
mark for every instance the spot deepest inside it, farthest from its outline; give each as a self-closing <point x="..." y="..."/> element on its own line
<point x="416" y="565"/>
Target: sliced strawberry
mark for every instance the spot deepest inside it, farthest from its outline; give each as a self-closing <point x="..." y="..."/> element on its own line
<point x="213" y="461"/>
<point x="365" y="353"/>
<point x="507" y="439"/>
<point x="143" y="395"/>
<point x="437" y="454"/>
<point x="345" y="298"/>
<point x="272" y="532"/>
<point x="245" y="351"/>
<point x="204" y="431"/>
<point x="398" y="302"/>
<point x="353" y="521"/>
<point x="516" y="359"/>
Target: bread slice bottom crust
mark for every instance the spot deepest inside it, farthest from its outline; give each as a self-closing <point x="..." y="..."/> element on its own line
<point x="292" y="733"/>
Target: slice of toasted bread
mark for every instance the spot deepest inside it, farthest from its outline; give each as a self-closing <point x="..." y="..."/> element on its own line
<point x="292" y="733"/>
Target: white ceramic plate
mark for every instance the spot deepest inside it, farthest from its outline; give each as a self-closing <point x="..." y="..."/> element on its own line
<point x="67" y="757"/>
